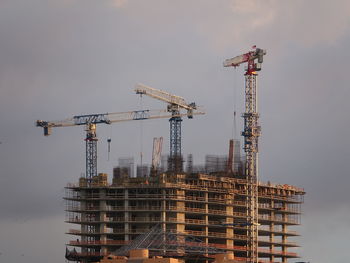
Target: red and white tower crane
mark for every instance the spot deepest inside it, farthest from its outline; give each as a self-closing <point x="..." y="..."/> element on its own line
<point x="251" y="135"/>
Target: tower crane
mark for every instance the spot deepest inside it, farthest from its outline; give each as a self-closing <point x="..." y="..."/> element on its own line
<point x="91" y="120"/>
<point x="251" y="133"/>
<point x="175" y="104"/>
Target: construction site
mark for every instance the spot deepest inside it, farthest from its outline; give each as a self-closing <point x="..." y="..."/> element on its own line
<point x="174" y="208"/>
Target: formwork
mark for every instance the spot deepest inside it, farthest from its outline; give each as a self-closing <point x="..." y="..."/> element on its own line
<point x="208" y="207"/>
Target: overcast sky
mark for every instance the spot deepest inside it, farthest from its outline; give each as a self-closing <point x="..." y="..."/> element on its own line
<point x="60" y="58"/>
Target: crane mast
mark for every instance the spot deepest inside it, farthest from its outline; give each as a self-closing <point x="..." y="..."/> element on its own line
<point x="91" y="152"/>
<point x="175" y="160"/>
<point x="251" y="133"/>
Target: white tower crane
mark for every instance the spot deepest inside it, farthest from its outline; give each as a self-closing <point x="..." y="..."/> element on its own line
<point x="251" y="134"/>
<point x="90" y="122"/>
<point x="175" y="104"/>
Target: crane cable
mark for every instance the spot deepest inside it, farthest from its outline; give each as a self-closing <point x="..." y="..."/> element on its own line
<point x="109" y="140"/>
<point x="234" y="128"/>
<point x="141" y="134"/>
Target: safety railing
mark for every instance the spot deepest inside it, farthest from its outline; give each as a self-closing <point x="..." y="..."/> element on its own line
<point x="97" y="196"/>
<point x="195" y="221"/>
<point x="277" y="252"/>
<point x="275" y="230"/>
<point x="278" y="219"/>
<point x="189" y="221"/>
<point x="205" y="178"/>
<point x="97" y="242"/>
<point x="279" y="208"/>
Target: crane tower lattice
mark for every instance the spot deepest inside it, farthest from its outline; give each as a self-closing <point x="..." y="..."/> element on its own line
<point x="251" y="133"/>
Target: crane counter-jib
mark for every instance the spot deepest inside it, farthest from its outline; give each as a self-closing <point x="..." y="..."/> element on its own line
<point x="247" y="57"/>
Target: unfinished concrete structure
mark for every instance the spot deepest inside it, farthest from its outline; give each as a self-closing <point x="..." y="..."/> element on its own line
<point x="208" y="206"/>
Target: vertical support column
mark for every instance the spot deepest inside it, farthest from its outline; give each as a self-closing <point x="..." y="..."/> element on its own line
<point x="229" y="220"/>
<point x="127" y="214"/>
<point x="180" y="217"/>
<point x="272" y="229"/>
<point x="83" y="218"/>
<point x="163" y="210"/>
<point x="284" y="230"/>
<point x="163" y="218"/>
<point x="103" y="218"/>
<point x="206" y="219"/>
<point x="180" y="210"/>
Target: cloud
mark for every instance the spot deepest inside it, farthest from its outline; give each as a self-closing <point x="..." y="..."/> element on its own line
<point x="119" y="3"/>
<point x="256" y="13"/>
<point x="304" y="23"/>
<point x="314" y="22"/>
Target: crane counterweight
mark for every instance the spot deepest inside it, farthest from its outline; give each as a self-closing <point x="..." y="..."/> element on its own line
<point x="249" y="58"/>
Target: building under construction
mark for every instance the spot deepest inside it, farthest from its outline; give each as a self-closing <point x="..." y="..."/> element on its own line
<point x="193" y="213"/>
<point x="206" y="207"/>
